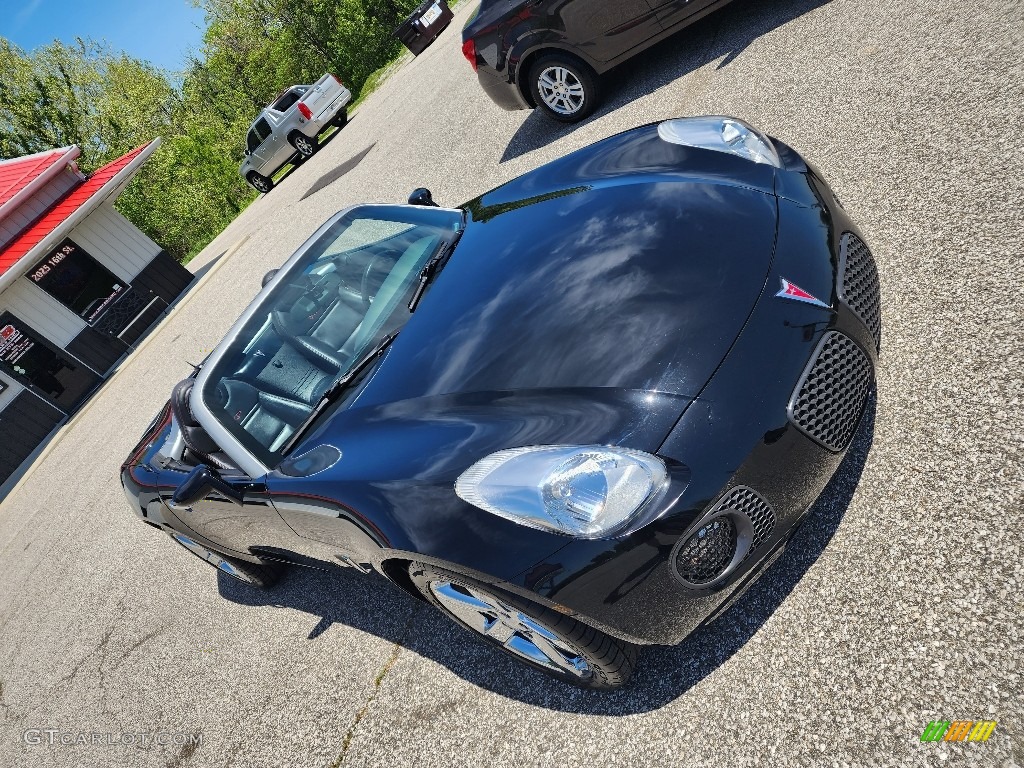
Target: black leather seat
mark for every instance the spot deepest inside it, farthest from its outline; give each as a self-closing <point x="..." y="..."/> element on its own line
<point x="338" y="322"/>
<point x="316" y="351"/>
<point x="270" y="419"/>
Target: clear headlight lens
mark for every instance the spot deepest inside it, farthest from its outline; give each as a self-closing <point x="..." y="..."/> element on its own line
<point x="586" y="491"/>
<point x="722" y="134"/>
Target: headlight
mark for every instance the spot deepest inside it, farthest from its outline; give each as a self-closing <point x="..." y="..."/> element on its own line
<point x="586" y="491"/>
<point x="722" y="134"/>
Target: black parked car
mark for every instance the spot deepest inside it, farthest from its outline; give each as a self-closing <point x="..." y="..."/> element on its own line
<point x="549" y="53"/>
<point x="578" y="414"/>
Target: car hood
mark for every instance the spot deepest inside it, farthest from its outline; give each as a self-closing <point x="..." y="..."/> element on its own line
<point x="634" y="282"/>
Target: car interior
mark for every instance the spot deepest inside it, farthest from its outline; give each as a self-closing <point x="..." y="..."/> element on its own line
<point x="309" y="330"/>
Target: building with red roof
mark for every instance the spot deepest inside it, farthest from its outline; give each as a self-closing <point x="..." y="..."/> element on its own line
<point x="79" y="287"/>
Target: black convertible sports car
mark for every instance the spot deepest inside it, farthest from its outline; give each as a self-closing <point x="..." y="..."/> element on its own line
<point x="578" y="414"/>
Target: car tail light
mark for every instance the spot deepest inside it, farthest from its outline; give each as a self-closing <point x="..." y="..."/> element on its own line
<point x="469" y="51"/>
<point x="304" y="111"/>
<point x="338" y="80"/>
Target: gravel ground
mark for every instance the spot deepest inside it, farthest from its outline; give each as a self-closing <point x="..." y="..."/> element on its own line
<point x="900" y="602"/>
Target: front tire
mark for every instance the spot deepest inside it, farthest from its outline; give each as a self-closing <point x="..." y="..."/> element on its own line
<point x="537" y="636"/>
<point x="564" y="87"/>
<point x="259" y="182"/>
<point x="304" y="145"/>
<point x="256" y="575"/>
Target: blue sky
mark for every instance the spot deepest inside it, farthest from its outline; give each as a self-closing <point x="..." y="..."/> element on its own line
<point x="160" y="31"/>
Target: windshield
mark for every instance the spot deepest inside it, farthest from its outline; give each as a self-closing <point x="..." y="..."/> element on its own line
<point x="321" y="314"/>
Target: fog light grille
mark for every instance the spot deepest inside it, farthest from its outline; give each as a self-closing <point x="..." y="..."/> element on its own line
<point x="829" y="399"/>
<point x="708" y="552"/>
<point x="757" y="510"/>
<point x="858" y="286"/>
<point x="730" y="532"/>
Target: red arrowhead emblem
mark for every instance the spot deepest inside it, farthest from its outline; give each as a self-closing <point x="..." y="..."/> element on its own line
<point x="792" y="291"/>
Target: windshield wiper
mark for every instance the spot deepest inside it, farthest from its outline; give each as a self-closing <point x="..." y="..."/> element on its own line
<point x="434" y="266"/>
<point x="334" y="391"/>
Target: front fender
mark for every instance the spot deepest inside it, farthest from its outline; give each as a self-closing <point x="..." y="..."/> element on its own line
<point x="395" y="480"/>
<point x="139" y="473"/>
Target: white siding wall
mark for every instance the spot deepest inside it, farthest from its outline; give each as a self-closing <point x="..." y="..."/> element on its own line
<point x="47" y="316"/>
<point x="13" y="388"/>
<point x="18" y="219"/>
<point x="115" y="242"/>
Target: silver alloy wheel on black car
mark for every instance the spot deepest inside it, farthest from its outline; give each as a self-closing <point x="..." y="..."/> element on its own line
<point x="259" y="575"/>
<point x="303" y="144"/>
<point x="561" y="90"/>
<point x="564" y="87"/>
<point x="540" y="637"/>
<point x="260" y="182"/>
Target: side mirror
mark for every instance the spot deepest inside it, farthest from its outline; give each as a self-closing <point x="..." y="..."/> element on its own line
<point x="268" y="277"/>
<point x="422" y="196"/>
<point x="200" y="482"/>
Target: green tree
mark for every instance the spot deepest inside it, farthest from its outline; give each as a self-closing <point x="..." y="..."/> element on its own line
<point x="107" y="102"/>
<point x="84" y="94"/>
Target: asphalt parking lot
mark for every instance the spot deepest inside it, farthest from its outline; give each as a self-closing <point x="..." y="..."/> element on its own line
<point x="900" y="602"/>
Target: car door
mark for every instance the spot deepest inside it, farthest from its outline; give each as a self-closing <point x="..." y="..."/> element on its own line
<point x="266" y="154"/>
<point x="602" y="30"/>
<point x="247" y="524"/>
<point x="328" y="529"/>
<point x="672" y="13"/>
<point x="283" y="150"/>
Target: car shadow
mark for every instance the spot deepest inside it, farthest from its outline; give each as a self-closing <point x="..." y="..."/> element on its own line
<point x="336" y="173"/>
<point x="371" y="604"/>
<point x="723" y="35"/>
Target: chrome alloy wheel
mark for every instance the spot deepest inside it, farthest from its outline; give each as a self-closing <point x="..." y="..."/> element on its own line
<point x="260" y="183"/>
<point x="304" y="145"/>
<point x="211" y="557"/>
<point x="510" y="628"/>
<point x="561" y="90"/>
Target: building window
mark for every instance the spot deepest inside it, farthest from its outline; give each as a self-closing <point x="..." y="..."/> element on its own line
<point x="78" y="281"/>
<point x="39" y="365"/>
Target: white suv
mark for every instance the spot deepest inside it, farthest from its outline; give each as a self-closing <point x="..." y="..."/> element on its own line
<point x="289" y="127"/>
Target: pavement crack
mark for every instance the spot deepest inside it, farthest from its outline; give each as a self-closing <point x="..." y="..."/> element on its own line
<point x="134" y="646"/>
<point x="101" y="650"/>
<point x="377" y="682"/>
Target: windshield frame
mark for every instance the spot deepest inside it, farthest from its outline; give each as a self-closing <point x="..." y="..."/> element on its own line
<point x="248" y="462"/>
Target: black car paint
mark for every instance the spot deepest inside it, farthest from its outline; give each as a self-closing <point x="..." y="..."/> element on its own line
<point x="730" y="435"/>
<point x="435" y="403"/>
<point x="510" y="34"/>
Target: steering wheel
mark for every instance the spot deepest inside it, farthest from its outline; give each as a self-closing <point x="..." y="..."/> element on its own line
<point x="311" y="287"/>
